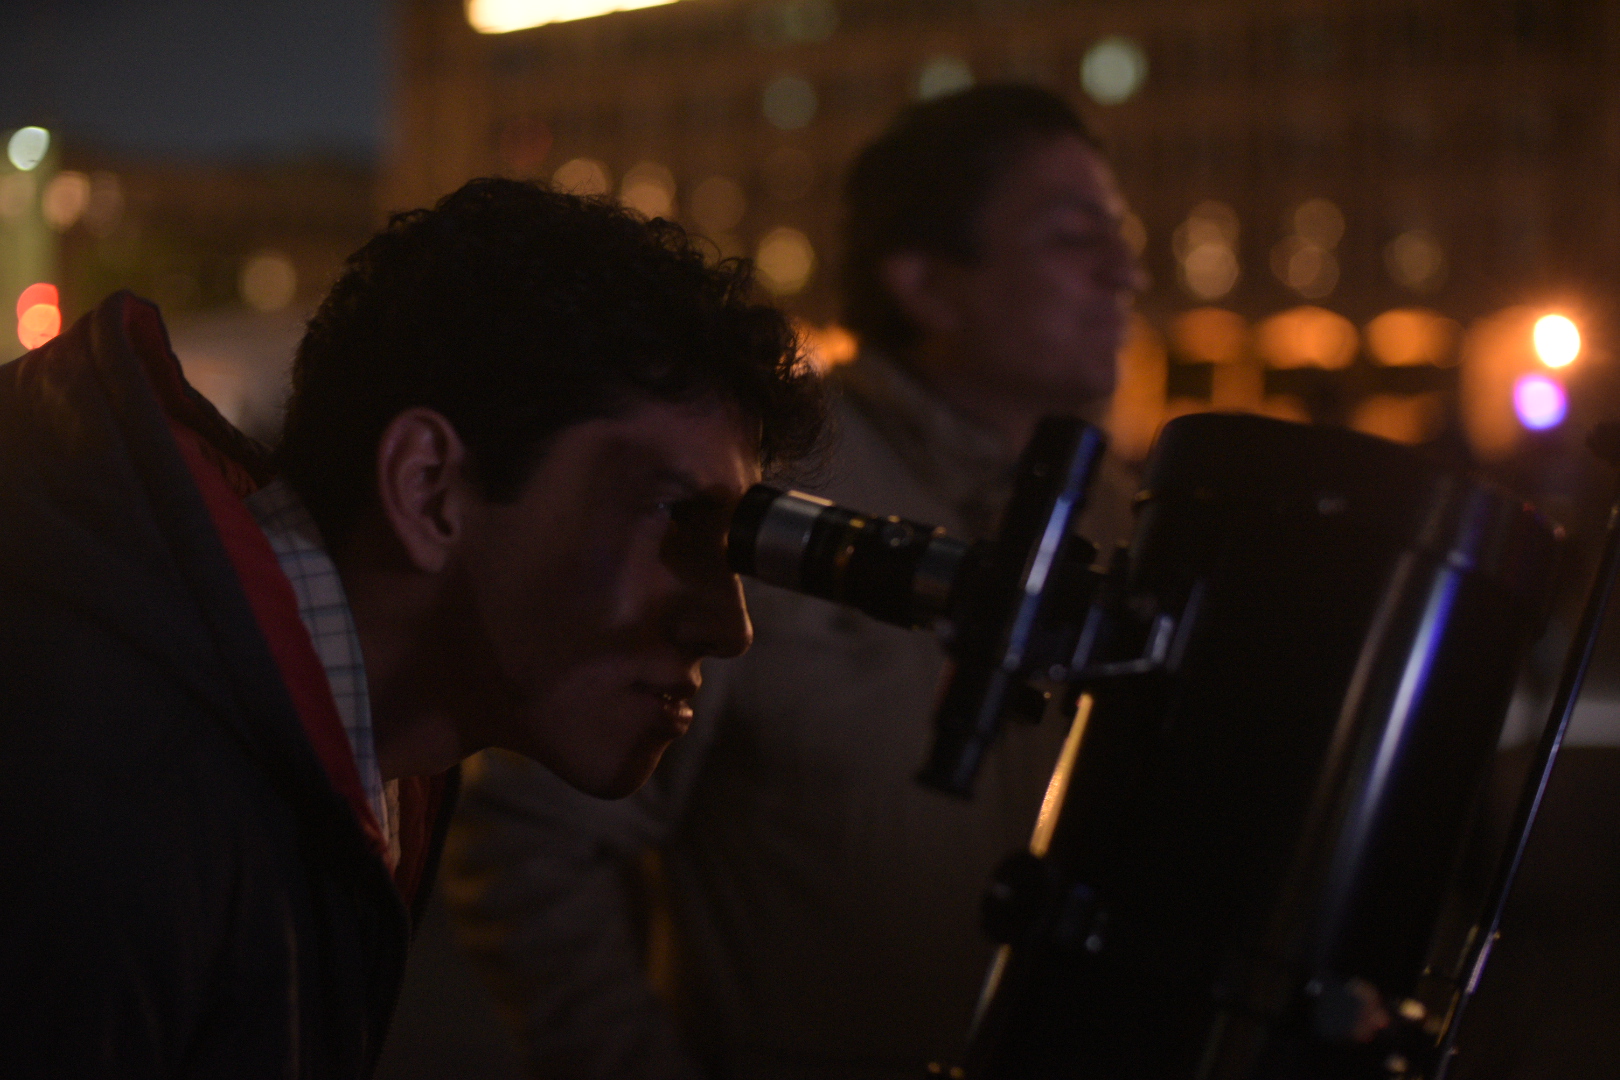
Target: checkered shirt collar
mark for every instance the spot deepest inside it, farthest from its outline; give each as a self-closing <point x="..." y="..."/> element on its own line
<point x="324" y="608"/>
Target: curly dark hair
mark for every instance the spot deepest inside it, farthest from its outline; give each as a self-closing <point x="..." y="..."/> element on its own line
<point x="921" y="184"/>
<point x="516" y="311"/>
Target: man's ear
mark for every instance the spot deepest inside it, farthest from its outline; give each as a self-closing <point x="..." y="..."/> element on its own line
<point x="423" y="487"/>
<point x="918" y="283"/>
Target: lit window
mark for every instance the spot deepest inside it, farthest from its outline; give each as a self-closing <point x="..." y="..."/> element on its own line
<point x="504" y="16"/>
<point x="1408" y="337"/>
<point x="1306" y="337"/>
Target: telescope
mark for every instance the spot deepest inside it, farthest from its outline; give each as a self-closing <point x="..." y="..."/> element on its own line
<point x="1284" y="697"/>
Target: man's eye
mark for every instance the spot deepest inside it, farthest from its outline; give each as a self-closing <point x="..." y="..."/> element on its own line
<point x="1080" y="240"/>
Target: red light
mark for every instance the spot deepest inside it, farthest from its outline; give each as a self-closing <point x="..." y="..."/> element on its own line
<point x="42" y="292"/>
<point x="39" y="318"/>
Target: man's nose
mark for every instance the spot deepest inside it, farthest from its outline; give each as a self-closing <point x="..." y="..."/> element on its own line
<point x="715" y="620"/>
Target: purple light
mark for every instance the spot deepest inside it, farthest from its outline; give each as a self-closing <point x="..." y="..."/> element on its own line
<point x="1540" y="402"/>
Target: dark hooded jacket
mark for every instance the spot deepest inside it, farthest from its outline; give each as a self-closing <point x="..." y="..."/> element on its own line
<point x="191" y="881"/>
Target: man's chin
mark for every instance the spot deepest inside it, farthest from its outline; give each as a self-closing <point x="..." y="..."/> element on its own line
<point x="617" y="782"/>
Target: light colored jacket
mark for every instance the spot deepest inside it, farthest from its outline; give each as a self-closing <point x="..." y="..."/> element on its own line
<point x="825" y="906"/>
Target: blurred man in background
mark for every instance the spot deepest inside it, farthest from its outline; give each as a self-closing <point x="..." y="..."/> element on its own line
<point x="824" y="905"/>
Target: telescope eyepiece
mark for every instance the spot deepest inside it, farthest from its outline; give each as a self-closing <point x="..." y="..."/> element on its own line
<point x="897" y="571"/>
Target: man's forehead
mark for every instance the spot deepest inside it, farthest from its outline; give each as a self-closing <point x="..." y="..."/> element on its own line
<point x="697" y="444"/>
<point x="1067" y="173"/>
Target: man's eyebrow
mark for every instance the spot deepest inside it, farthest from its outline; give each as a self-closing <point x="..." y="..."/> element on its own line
<point x="691" y="487"/>
<point x="1091" y="206"/>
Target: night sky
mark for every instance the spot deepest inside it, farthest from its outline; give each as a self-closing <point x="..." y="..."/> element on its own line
<point x="204" y="79"/>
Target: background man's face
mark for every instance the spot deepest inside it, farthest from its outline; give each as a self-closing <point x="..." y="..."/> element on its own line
<point x="598" y="590"/>
<point x="1043" y="308"/>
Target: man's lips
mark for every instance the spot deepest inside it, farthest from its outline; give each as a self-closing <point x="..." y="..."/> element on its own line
<point x="675" y="698"/>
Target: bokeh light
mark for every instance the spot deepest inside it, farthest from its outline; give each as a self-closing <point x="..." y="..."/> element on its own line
<point x="1319" y="221"/>
<point x="66" y="199"/>
<point x="28" y="147"/>
<point x="1138" y="406"/>
<point x="943" y="75"/>
<point x="649" y="190"/>
<point x="39" y="314"/>
<point x="268" y="281"/>
<point x="1557" y="340"/>
<point x="1211" y="335"/>
<point x="1205" y="246"/>
<point x="524" y="143"/>
<point x="786" y="260"/>
<point x="1403" y="418"/>
<point x="582" y="176"/>
<point x="1307" y="337"/>
<point x="793" y="22"/>
<point x="826" y="346"/>
<point x="1411" y="337"/>
<point x="1415" y="260"/>
<point x="1113" y="70"/>
<point x="504" y="16"/>
<point x="718" y="204"/>
<point x="1540" y="403"/>
<point x="789" y="102"/>
<point x="1305" y="266"/>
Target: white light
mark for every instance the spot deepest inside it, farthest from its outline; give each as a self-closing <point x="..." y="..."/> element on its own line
<point x="943" y="75"/>
<point x="582" y="176"/>
<point x="789" y="102"/>
<point x="28" y="146"/>
<point x="1210" y="271"/>
<point x="504" y="16"/>
<point x="1113" y="70"/>
<point x="1557" y="340"/>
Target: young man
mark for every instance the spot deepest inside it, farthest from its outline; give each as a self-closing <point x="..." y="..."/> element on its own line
<point x="825" y="906"/>
<point x="234" y="703"/>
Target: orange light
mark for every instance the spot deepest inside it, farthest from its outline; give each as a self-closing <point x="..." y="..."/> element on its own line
<point x="1304" y="337"/>
<point x="39" y="318"/>
<point x="38" y="325"/>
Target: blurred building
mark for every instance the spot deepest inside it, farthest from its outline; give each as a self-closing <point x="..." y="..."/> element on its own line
<point x="1326" y="160"/>
<point x="236" y="256"/>
<point x="199" y="237"/>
